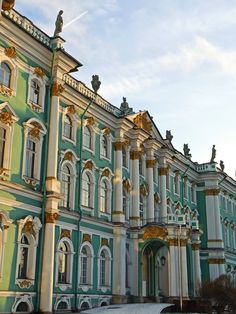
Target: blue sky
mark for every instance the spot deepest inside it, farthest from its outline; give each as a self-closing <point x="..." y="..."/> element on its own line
<point x="174" y="58"/>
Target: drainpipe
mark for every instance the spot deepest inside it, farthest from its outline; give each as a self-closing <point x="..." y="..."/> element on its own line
<point x="41" y="242"/>
<point x="95" y="84"/>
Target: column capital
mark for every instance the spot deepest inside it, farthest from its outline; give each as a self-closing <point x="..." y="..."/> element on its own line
<point x="51" y="217"/>
<point x="118" y="145"/>
<point x="57" y="89"/>
<point x="150" y="163"/>
<point x="212" y="192"/>
<point x="216" y="260"/>
<point x="195" y="246"/>
<point x="163" y="171"/>
<point x="135" y="154"/>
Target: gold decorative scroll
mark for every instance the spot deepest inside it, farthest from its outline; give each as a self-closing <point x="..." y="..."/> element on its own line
<point x="57" y="89"/>
<point x="172" y="242"/>
<point x="35" y="132"/>
<point x="106" y="131"/>
<point x="10" y="52"/>
<point x="90" y="121"/>
<point x="68" y="156"/>
<point x="6" y="118"/>
<point x="163" y="171"/>
<point x="154" y="232"/>
<point x="150" y="163"/>
<point x="106" y="173"/>
<point x="29" y="228"/>
<point x="6" y="91"/>
<point x="212" y="192"/>
<point x="65" y="233"/>
<point x="51" y="217"/>
<point x="141" y="121"/>
<point x="71" y="109"/>
<point x="104" y="242"/>
<point x="39" y="72"/>
<point x="24" y="284"/>
<point x="88" y="165"/>
<point x="87" y="238"/>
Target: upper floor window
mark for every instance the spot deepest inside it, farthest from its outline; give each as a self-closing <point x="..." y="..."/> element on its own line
<point x="34" y="92"/>
<point x="30" y="158"/>
<point x="66" y="186"/>
<point x="141" y="206"/>
<point x="176" y="184"/>
<point x="5" y="75"/>
<point x="104" y="197"/>
<point x="87" y="137"/>
<point x="64" y="261"/>
<point x="67" y="132"/>
<point x="104" y="146"/>
<point x="24" y="252"/>
<point x="87" y="190"/>
<point x="2" y="145"/>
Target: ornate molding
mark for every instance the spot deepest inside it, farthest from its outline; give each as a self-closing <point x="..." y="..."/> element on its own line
<point x="106" y="173"/>
<point x="71" y="109"/>
<point x="10" y="52"/>
<point x="106" y="131"/>
<point x="163" y="171"/>
<point x="172" y="242"/>
<point x="6" y="118"/>
<point x="7" y="5"/>
<point x="135" y="154"/>
<point x="51" y="217"/>
<point x="127" y="185"/>
<point x="104" y="241"/>
<point x="150" y="163"/>
<point x="195" y="246"/>
<point x="24" y="283"/>
<point x="141" y="121"/>
<point x="89" y="165"/>
<point x="156" y="198"/>
<point x="216" y="260"/>
<point x="57" y="89"/>
<point x="212" y="192"/>
<point x="90" y="121"/>
<point x="65" y="233"/>
<point x="118" y="145"/>
<point x="29" y="228"/>
<point x="68" y="156"/>
<point x="6" y="91"/>
<point x="152" y="232"/>
<point x="86" y="238"/>
<point x="39" y="72"/>
<point x="35" y="132"/>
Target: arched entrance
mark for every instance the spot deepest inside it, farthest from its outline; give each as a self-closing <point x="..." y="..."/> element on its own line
<point x="154" y="265"/>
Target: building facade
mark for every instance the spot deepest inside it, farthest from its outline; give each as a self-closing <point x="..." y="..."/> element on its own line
<point x="96" y="206"/>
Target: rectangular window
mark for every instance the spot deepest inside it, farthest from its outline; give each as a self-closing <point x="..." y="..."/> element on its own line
<point x="2" y="145"/>
<point x="102" y="272"/>
<point x="84" y="270"/>
<point x="30" y="158"/>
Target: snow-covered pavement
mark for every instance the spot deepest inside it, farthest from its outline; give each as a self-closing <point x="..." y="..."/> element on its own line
<point x="139" y="308"/>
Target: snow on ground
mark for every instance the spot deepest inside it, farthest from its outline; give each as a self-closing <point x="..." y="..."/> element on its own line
<point x="145" y="308"/>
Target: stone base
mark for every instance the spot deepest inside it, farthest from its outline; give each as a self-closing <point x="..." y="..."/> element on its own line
<point x="119" y="299"/>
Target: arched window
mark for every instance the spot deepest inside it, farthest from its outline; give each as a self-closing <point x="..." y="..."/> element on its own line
<point x="86" y="265"/>
<point x="62" y="305"/>
<point x="2" y="145"/>
<point x="5" y="75"/>
<point x="66" y="186"/>
<point x="24" y="254"/>
<point x="86" y="190"/>
<point x="30" y="158"/>
<point x="34" y="92"/>
<point x="104" y="147"/>
<point x="104" y="197"/>
<point x="67" y="132"/>
<point x="63" y="263"/>
<point x="104" y="268"/>
<point x="87" y="137"/>
<point x="22" y="307"/>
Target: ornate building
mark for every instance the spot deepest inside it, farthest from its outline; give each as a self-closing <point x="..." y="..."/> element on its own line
<point x="95" y="205"/>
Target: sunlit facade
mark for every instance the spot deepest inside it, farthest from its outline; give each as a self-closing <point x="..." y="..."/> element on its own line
<point x="142" y="221"/>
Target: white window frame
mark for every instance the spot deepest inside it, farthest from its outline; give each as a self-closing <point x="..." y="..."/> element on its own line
<point x="107" y="286"/>
<point x="9" y="128"/>
<point x="86" y="286"/>
<point x="69" y="270"/>
<point x="25" y="299"/>
<point x="72" y="168"/>
<point x="38" y="140"/>
<point x="74" y="121"/>
<point x="93" y="138"/>
<point x="109" y="196"/>
<point x="91" y="176"/>
<point x="109" y="142"/>
<point x="41" y="81"/>
<point x="13" y="80"/>
<point x="5" y="222"/>
<point x="33" y="244"/>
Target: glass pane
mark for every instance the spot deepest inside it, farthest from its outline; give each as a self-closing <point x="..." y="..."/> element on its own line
<point x="68" y="127"/>
<point x="87" y="138"/>
<point x="5" y="75"/>
<point x="30" y="158"/>
<point x="2" y="145"/>
<point x="34" y="92"/>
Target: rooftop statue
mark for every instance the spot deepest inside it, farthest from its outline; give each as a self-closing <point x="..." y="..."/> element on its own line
<point x="187" y="151"/>
<point x="222" y="166"/>
<point x="169" y="136"/>
<point x="124" y="107"/>
<point x="95" y="83"/>
<point x="213" y="154"/>
<point x="58" y="24"/>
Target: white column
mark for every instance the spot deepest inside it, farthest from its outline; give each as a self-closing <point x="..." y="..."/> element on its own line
<point x="135" y="265"/>
<point x="196" y="267"/>
<point x="135" y="217"/>
<point x="184" y="274"/>
<point x="150" y="198"/>
<point x="163" y="205"/>
<point x="118" y="215"/>
<point x="119" y="261"/>
<point x="173" y="269"/>
<point x="46" y="294"/>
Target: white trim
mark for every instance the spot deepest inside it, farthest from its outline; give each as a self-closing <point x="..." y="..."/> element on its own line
<point x="93" y="139"/>
<point x="14" y="72"/>
<point x="19" y="205"/>
<point x="63" y="298"/>
<point x="109" y="146"/>
<point x="26" y="298"/>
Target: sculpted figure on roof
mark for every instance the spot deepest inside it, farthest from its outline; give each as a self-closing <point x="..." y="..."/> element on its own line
<point x="58" y="24"/>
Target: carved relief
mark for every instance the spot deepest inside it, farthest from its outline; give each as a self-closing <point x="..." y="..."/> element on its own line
<point x="216" y="260"/>
<point x="195" y="246"/>
<point x="152" y="232"/>
<point x="10" y="52"/>
<point x="163" y="171"/>
<point x="6" y="91"/>
<point x="90" y="121"/>
<point x="24" y="284"/>
<point x="143" y="190"/>
<point x="156" y="198"/>
<point x="39" y="72"/>
<point x="135" y="154"/>
<point x="71" y="109"/>
<point x="127" y="185"/>
<point x="118" y="145"/>
<point x="57" y="89"/>
<point x="65" y="233"/>
<point x="87" y="238"/>
<point x="68" y="156"/>
<point x="88" y="165"/>
<point x="150" y="163"/>
<point x="106" y="131"/>
<point x="51" y="217"/>
<point x="35" y="132"/>
<point x="212" y="192"/>
<point x="141" y="121"/>
<point x="29" y="228"/>
<point x="104" y="242"/>
<point x="106" y="173"/>
<point x="6" y="118"/>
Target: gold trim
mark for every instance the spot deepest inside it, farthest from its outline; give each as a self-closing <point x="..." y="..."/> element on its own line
<point x="71" y="109"/>
<point x="195" y="246"/>
<point x="172" y="242"/>
<point x="29" y="228"/>
<point x="134" y="218"/>
<point x="68" y="156"/>
<point x="216" y="260"/>
<point x="106" y="173"/>
<point x="87" y="238"/>
<point x="6" y="91"/>
<point x="90" y="121"/>
<point x="65" y="233"/>
<point x="10" y="52"/>
<point x="6" y="118"/>
<point x="135" y="154"/>
<point x="89" y="165"/>
<point x="117" y="212"/>
<point x="39" y="72"/>
<point x="24" y="284"/>
<point x="35" y="132"/>
<point x="152" y="232"/>
<point x="57" y="89"/>
<point x="141" y="121"/>
<point x="104" y="242"/>
<point x="51" y="217"/>
<point x="118" y="145"/>
<point x="163" y="171"/>
<point x="106" y="131"/>
<point x="212" y="192"/>
<point x="150" y="163"/>
<point x="143" y="190"/>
